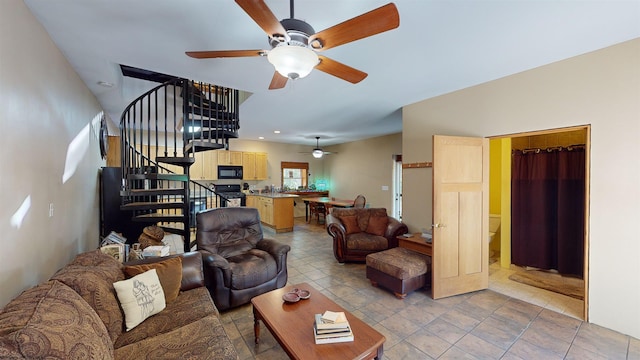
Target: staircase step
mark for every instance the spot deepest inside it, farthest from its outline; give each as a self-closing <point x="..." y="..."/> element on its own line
<point x="179" y="161"/>
<point x="157" y="176"/>
<point x="157" y="217"/>
<point x="152" y="205"/>
<point x="211" y="113"/>
<point x="212" y="123"/>
<point x="197" y="146"/>
<point x="152" y="192"/>
<point x="212" y="134"/>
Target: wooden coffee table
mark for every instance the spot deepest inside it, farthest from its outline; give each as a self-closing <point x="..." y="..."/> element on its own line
<point x="292" y="326"/>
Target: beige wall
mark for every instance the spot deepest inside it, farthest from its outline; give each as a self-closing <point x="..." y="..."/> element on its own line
<point x="364" y="167"/>
<point x="601" y="88"/>
<point x="45" y="106"/>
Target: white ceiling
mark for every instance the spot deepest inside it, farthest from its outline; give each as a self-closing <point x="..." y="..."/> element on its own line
<point x="440" y="46"/>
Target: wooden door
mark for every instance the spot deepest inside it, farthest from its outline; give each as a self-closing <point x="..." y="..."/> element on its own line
<point x="460" y="215"/>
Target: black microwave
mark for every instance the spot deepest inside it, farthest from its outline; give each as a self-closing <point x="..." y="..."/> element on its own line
<point x="229" y="172"/>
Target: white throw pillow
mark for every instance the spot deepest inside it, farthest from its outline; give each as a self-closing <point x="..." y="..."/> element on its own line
<point x="140" y="297"/>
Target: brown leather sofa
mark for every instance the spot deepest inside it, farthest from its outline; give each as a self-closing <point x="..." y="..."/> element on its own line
<point x="239" y="263"/>
<point x="359" y="232"/>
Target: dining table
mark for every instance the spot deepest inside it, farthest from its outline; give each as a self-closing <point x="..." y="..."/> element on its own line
<point x="328" y="202"/>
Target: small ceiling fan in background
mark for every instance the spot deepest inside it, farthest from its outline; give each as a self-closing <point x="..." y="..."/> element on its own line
<point x="317" y="152"/>
<point x="294" y="43"/>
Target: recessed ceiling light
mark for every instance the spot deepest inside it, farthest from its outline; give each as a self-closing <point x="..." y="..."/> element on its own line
<point x="261" y="137"/>
<point x="105" y="83"/>
<point x="276" y="131"/>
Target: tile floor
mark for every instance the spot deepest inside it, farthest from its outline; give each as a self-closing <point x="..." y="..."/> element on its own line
<point x="480" y="325"/>
<point x="500" y="283"/>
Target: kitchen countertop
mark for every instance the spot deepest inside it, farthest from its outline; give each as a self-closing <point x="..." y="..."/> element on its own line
<point x="309" y="193"/>
<point x="275" y="196"/>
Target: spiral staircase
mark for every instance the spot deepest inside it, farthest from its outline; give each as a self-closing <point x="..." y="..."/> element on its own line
<point x="161" y="131"/>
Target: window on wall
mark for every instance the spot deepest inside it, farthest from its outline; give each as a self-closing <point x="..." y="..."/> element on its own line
<point x="294" y="175"/>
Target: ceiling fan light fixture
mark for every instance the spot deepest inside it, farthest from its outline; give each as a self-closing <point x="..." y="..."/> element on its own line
<point x="317" y="153"/>
<point x="293" y="62"/>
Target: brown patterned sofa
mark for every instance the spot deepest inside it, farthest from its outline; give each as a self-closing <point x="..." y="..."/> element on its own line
<point x="76" y="315"/>
<point x="358" y="232"/>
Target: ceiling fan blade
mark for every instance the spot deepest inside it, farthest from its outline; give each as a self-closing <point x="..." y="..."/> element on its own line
<point x="262" y="15"/>
<point x="373" y="22"/>
<point x="278" y="81"/>
<point x="224" y="53"/>
<point x="340" y="70"/>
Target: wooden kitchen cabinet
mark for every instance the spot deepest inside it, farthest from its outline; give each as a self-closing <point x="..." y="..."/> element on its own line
<point x="266" y="211"/>
<point x="275" y="212"/>
<point x="210" y="161"/>
<point x="205" y="166"/>
<point x="254" y="166"/>
<point x="226" y="157"/>
<point x="261" y="166"/>
<point x="252" y="201"/>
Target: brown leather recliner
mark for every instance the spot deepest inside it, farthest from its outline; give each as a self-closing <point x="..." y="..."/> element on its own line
<point x="238" y="262"/>
<point x="359" y="232"/>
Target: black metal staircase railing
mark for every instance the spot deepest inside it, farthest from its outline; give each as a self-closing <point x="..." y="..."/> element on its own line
<point x="160" y="132"/>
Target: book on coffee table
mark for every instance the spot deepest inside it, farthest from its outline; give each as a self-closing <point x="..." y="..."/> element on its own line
<point x="327" y="332"/>
<point x="323" y="324"/>
<point x="332" y="337"/>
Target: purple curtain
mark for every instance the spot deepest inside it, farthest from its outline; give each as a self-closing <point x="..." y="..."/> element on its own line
<point x="547" y="211"/>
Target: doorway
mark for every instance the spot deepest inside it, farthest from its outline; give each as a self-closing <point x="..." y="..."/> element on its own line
<point x="501" y="268"/>
<point x="397" y="187"/>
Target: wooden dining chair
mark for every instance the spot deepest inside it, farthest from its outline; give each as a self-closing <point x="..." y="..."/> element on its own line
<point x="359" y="202"/>
<point x="317" y="210"/>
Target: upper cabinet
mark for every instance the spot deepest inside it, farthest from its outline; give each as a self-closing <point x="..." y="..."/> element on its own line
<point x="261" y="166"/>
<point x="226" y="157"/>
<point x="205" y="166"/>
<point x="254" y="166"/>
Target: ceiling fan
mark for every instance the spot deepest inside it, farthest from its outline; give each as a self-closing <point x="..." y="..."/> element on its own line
<point x="317" y="152"/>
<point x="294" y="43"/>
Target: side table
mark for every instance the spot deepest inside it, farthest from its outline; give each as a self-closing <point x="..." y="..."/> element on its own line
<point x="416" y="243"/>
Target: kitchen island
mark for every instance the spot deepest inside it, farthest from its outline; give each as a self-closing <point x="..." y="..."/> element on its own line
<point x="276" y="210"/>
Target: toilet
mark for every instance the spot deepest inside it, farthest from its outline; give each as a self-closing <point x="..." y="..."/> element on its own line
<point x="494" y="226"/>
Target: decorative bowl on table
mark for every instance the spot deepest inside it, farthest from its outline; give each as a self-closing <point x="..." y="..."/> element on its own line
<point x="304" y="294"/>
<point x="291" y="297"/>
<point x="296" y="295"/>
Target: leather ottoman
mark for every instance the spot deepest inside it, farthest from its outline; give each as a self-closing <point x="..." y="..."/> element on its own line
<point x="399" y="270"/>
